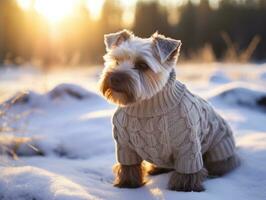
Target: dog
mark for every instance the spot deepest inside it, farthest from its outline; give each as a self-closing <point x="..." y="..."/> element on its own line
<point x="158" y="120"/>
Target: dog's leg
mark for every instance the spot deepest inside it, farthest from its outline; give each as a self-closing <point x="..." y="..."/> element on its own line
<point x="154" y="170"/>
<point x="129" y="176"/>
<point x="188" y="182"/>
<point x="222" y="167"/>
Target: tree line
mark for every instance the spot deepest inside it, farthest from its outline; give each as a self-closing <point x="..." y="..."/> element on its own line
<point x="234" y="29"/>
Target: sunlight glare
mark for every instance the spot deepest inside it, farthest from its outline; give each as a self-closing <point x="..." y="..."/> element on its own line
<point x="129" y="7"/>
<point x="55" y="11"/>
<point x="25" y="4"/>
<point x="95" y="8"/>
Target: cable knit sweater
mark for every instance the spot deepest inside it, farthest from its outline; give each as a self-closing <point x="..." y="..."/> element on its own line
<point x="173" y="129"/>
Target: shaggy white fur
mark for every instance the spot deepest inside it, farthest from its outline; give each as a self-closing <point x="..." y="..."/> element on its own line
<point x="124" y="50"/>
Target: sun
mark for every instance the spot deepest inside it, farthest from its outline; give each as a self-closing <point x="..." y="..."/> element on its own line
<point x="55" y="10"/>
<point x="94" y="7"/>
<point x="25" y="4"/>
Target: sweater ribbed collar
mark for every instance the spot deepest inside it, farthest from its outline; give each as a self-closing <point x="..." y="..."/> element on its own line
<point x="160" y="103"/>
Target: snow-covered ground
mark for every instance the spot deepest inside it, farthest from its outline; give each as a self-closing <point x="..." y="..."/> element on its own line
<point x="70" y="151"/>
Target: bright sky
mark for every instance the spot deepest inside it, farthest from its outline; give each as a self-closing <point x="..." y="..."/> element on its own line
<point x="56" y="10"/>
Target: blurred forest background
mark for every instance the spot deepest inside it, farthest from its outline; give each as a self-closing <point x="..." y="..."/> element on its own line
<point x="65" y="32"/>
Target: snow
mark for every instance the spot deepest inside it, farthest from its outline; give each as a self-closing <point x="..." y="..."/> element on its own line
<point x="263" y="76"/>
<point x="43" y="185"/>
<point x="70" y="126"/>
<point x="219" y="77"/>
<point x="241" y="94"/>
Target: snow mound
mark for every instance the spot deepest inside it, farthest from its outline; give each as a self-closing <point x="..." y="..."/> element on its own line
<point x="47" y="124"/>
<point x="15" y="145"/>
<point x="69" y="90"/>
<point x="245" y="96"/>
<point x="263" y="76"/>
<point x="219" y="77"/>
<point x="35" y="183"/>
<point x="62" y="92"/>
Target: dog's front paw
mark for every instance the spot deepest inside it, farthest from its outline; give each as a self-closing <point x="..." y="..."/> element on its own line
<point x="129" y="176"/>
<point x="188" y="182"/>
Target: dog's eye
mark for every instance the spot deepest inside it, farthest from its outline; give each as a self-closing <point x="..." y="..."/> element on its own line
<point x="141" y="65"/>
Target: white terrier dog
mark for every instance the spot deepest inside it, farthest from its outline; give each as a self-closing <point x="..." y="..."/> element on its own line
<point x="158" y="120"/>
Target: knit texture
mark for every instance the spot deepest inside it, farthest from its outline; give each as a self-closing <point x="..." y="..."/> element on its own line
<point x="173" y="129"/>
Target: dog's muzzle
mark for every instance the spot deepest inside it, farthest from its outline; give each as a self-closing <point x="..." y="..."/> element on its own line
<point x="119" y="82"/>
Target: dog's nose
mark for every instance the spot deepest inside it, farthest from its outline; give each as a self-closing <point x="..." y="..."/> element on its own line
<point x="115" y="79"/>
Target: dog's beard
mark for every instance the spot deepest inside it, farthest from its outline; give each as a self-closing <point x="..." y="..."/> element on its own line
<point x="152" y="83"/>
<point x="124" y="95"/>
<point x="137" y="87"/>
<point x="119" y="98"/>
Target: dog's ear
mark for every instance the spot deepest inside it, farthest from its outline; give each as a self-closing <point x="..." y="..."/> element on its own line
<point x="112" y="40"/>
<point x="166" y="48"/>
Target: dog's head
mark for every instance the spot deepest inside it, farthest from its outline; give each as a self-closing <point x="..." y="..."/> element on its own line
<point x="136" y="68"/>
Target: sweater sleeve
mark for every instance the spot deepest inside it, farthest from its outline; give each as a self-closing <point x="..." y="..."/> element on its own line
<point x="188" y="157"/>
<point x="124" y="154"/>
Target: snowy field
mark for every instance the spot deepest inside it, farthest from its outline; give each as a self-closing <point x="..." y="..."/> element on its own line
<point x="69" y="150"/>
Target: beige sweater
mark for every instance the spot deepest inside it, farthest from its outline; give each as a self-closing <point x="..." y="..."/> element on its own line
<point x="173" y="129"/>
